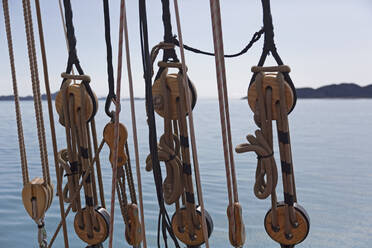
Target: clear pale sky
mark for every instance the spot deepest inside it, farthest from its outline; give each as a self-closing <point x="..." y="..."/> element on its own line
<point x="324" y="41"/>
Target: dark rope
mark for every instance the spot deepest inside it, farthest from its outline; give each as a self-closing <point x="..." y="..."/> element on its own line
<point x="269" y="47"/>
<point x="146" y="62"/>
<point x="110" y="71"/>
<point x="256" y="36"/>
<point x="168" y="54"/>
<point x="72" y="54"/>
<point x="168" y="35"/>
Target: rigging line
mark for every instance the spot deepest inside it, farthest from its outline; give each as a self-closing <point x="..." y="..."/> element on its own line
<point x="191" y="126"/>
<point x="21" y="142"/>
<point x="218" y="47"/>
<point x="116" y="123"/>
<point x="110" y="71"/>
<point x="168" y="35"/>
<point x="51" y="118"/>
<point x="36" y="89"/>
<point x="134" y="126"/>
<point x="256" y="37"/>
<point x="146" y="63"/>
<point x="223" y="81"/>
<point x="65" y="31"/>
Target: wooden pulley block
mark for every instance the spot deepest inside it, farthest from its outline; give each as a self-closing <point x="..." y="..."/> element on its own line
<point x="298" y="232"/>
<point x="109" y="137"/>
<point x="35" y="197"/>
<point x="101" y="233"/>
<point x="270" y="81"/>
<point x="133" y="228"/>
<point x="237" y="233"/>
<point x="183" y="232"/>
<point x="174" y="95"/>
<point x="77" y="91"/>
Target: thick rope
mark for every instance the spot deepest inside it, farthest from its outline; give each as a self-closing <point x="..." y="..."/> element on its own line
<point x="21" y="142"/>
<point x="191" y="126"/>
<point x="36" y="89"/>
<point x="134" y="126"/>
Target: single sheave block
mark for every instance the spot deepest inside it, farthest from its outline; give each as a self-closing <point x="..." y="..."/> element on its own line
<point x="100" y="233"/>
<point x="269" y="81"/>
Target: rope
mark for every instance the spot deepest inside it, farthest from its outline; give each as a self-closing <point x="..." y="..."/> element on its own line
<point x="21" y="142"/>
<point x="98" y="164"/>
<point x="36" y="90"/>
<point x="116" y="122"/>
<point x="51" y="118"/>
<point x="256" y="37"/>
<point x="110" y="71"/>
<point x="223" y="101"/>
<point x="168" y="36"/>
<point x="134" y="126"/>
<point x="191" y="126"/>
<point x="146" y="62"/>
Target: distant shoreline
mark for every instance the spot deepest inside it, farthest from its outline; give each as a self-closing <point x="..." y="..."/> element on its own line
<point x="335" y="91"/>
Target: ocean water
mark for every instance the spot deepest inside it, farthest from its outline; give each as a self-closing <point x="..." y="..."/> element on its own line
<point x="332" y="154"/>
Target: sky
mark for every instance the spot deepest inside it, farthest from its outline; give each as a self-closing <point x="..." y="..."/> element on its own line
<point x="323" y="41"/>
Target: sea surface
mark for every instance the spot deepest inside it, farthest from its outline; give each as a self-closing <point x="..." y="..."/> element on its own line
<point x="332" y="154"/>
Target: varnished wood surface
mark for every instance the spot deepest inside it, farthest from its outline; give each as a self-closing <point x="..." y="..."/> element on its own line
<point x="174" y="94"/>
<point x="100" y="234"/>
<point x="183" y="233"/>
<point x="299" y="233"/>
<point x="281" y="68"/>
<point x="173" y="87"/>
<point x="133" y="228"/>
<point x="37" y="190"/>
<point x="74" y="89"/>
<point x="269" y="80"/>
<point x="109" y="137"/>
<point x="237" y="233"/>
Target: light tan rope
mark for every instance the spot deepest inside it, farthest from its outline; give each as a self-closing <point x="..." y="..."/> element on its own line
<point x="134" y="125"/>
<point x="36" y="89"/>
<point x="226" y="108"/>
<point x="116" y="123"/>
<point x="191" y="125"/>
<point x="98" y="164"/>
<point x="21" y="142"/>
<point x="51" y="119"/>
<point x="221" y="81"/>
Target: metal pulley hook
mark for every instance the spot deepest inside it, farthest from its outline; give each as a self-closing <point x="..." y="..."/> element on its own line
<point x="42" y="235"/>
<point x="110" y="98"/>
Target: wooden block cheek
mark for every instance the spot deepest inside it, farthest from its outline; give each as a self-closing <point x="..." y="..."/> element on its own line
<point x="100" y="234"/>
<point x="36" y="191"/>
<point x="76" y="91"/>
<point x="299" y="234"/>
<point x="270" y="81"/>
